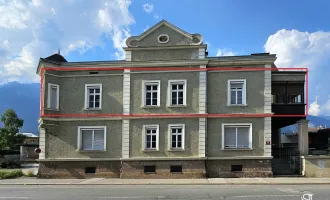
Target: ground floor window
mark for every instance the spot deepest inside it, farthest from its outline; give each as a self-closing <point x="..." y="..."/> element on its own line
<point x="150" y="135"/>
<point x="237" y="136"/>
<point x="92" y="138"/>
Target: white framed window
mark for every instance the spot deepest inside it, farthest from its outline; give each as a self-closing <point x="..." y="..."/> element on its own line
<point x="92" y="138"/>
<point x="150" y="137"/>
<point x="93" y="96"/>
<point x="53" y="96"/>
<point x="177" y="92"/>
<point x="237" y="136"/>
<point x="237" y="92"/>
<point x="176" y="136"/>
<point x="151" y="93"/>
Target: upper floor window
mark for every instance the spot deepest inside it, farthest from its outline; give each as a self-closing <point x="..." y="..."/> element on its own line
<point x="53" y="96"/>
<point x="237" y="136"/>
<point x="177" y="92"/>
<point x="176" y="136"/>
<point x="93" y="96"/>
<point x="150" y="134"/>
<point x="237" y="92"/>
<point x="151" y="93"/>
<point x="92" y="138"/>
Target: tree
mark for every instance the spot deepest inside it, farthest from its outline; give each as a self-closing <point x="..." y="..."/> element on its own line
<point x="9" y="136"/>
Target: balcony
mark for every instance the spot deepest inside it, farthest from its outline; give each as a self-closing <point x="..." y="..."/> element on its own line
<point x="288" y="104"/>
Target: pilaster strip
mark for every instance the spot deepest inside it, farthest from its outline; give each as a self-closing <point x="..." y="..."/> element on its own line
<point x="128" y="55"/>
<point x="201" y="53"/>
<point x="42" y="143"/>
<point x="126" y="110"/>
<point x="268" y="109"/>
<point x="202" y="110"/>
<point x="126" y="91"/>
<point x="267" y="136"/>
<point x="268" y="90"/>
<point x="125" y="139"/>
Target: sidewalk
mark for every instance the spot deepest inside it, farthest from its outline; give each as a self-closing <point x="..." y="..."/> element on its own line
<point x="211" y="181"/>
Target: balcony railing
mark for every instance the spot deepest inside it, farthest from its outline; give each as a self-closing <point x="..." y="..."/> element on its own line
<point x="287" y="99"/>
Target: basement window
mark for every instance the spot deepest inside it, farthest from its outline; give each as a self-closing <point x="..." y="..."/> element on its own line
<point x="90" y="170"/>
<point x="176" y="169"/>
<point x="236" y="168"/>
<point x="149" y="169"/>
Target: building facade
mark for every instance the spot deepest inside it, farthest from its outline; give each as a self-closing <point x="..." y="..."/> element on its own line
<point x="166" y="111"/>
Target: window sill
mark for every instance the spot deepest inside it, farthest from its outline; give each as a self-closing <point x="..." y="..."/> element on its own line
<point x="177" y="106"/>
<point x="176" y="150"/>
<point x="91" y="151"/>
<point x="150" y="106"/>
<point x="92" y="109"/>
<point x="237" y="105"/>
<point x="51" y="109"/>
<point x="149" y="150"/>
<point x="243" y="149"/>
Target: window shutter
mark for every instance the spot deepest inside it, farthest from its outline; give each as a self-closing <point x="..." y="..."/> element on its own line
<point x="230" y="137"/>
<point x="243" y="137"/>
<point x="98" y="140"/>
<point x="87" y="139"/>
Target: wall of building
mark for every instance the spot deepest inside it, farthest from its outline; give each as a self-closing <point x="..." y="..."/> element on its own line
<point x="217" y="91"/>
<point x="62" y="140"/>
<point x="316" y="166"/>
<point x="191" y="138"/>
<point x="72" y="92"/>
<point x="214" y="137"/>
<point x="192" y="92"/>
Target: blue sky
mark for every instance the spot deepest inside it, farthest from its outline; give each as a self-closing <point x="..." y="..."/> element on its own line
<point x="297" y="31"/>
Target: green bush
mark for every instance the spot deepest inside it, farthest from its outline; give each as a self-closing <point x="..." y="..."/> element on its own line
<point x="4" y="174"/>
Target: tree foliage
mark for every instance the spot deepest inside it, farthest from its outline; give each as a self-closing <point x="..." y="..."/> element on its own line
<point x="9" y="136"/>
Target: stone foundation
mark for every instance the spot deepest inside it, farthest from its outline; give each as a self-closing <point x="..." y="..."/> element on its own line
<point x="76" y="169"/>
<point x="250" y="168"/>
<point x="190" y="169"/>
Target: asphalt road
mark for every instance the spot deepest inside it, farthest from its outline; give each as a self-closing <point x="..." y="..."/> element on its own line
<point x="143" y="192"/>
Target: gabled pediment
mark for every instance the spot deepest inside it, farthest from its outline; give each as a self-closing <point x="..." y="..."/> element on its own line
<point x="164" y="34"/>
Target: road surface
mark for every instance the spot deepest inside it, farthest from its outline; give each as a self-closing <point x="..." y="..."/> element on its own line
<point x="163" y="192"/>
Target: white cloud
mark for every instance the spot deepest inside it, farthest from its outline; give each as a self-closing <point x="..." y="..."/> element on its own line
<point x="299" y="49"/>
<point x="306" y="50"/>
<point x="225" y="52"/>
<point x="148" y="8"/>
<point x="156" y="16"/>
<point x="314" y="108"/>
<point x="34" y="29"/>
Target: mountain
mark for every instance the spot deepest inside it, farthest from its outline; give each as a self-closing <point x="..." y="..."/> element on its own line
<point x="314" y="121"/>
<point x="24" y="99"/>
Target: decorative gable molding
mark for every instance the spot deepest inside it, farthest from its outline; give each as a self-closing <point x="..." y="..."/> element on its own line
<point x="136" y="39"/>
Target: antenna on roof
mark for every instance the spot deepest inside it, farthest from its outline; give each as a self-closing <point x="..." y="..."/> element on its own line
<point x="59" y="51"/>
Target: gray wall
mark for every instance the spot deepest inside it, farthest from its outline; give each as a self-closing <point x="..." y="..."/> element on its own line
<point x="214" y="137"/>
<point x="217" y="91"/>
<point x="72" y="93"/>
<point x="61" y="142"/>
<point x="192" y="92"/>
<point x="191" y="138"/>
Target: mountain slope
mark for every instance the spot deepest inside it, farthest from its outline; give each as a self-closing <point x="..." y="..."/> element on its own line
<point x="24" y="99"/>
<point x="314" y="121"/>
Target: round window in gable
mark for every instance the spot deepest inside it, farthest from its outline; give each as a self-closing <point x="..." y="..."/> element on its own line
<point x="163" y="38"/>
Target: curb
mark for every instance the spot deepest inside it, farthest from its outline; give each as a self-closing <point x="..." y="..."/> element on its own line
<point x="99" y="184"/>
